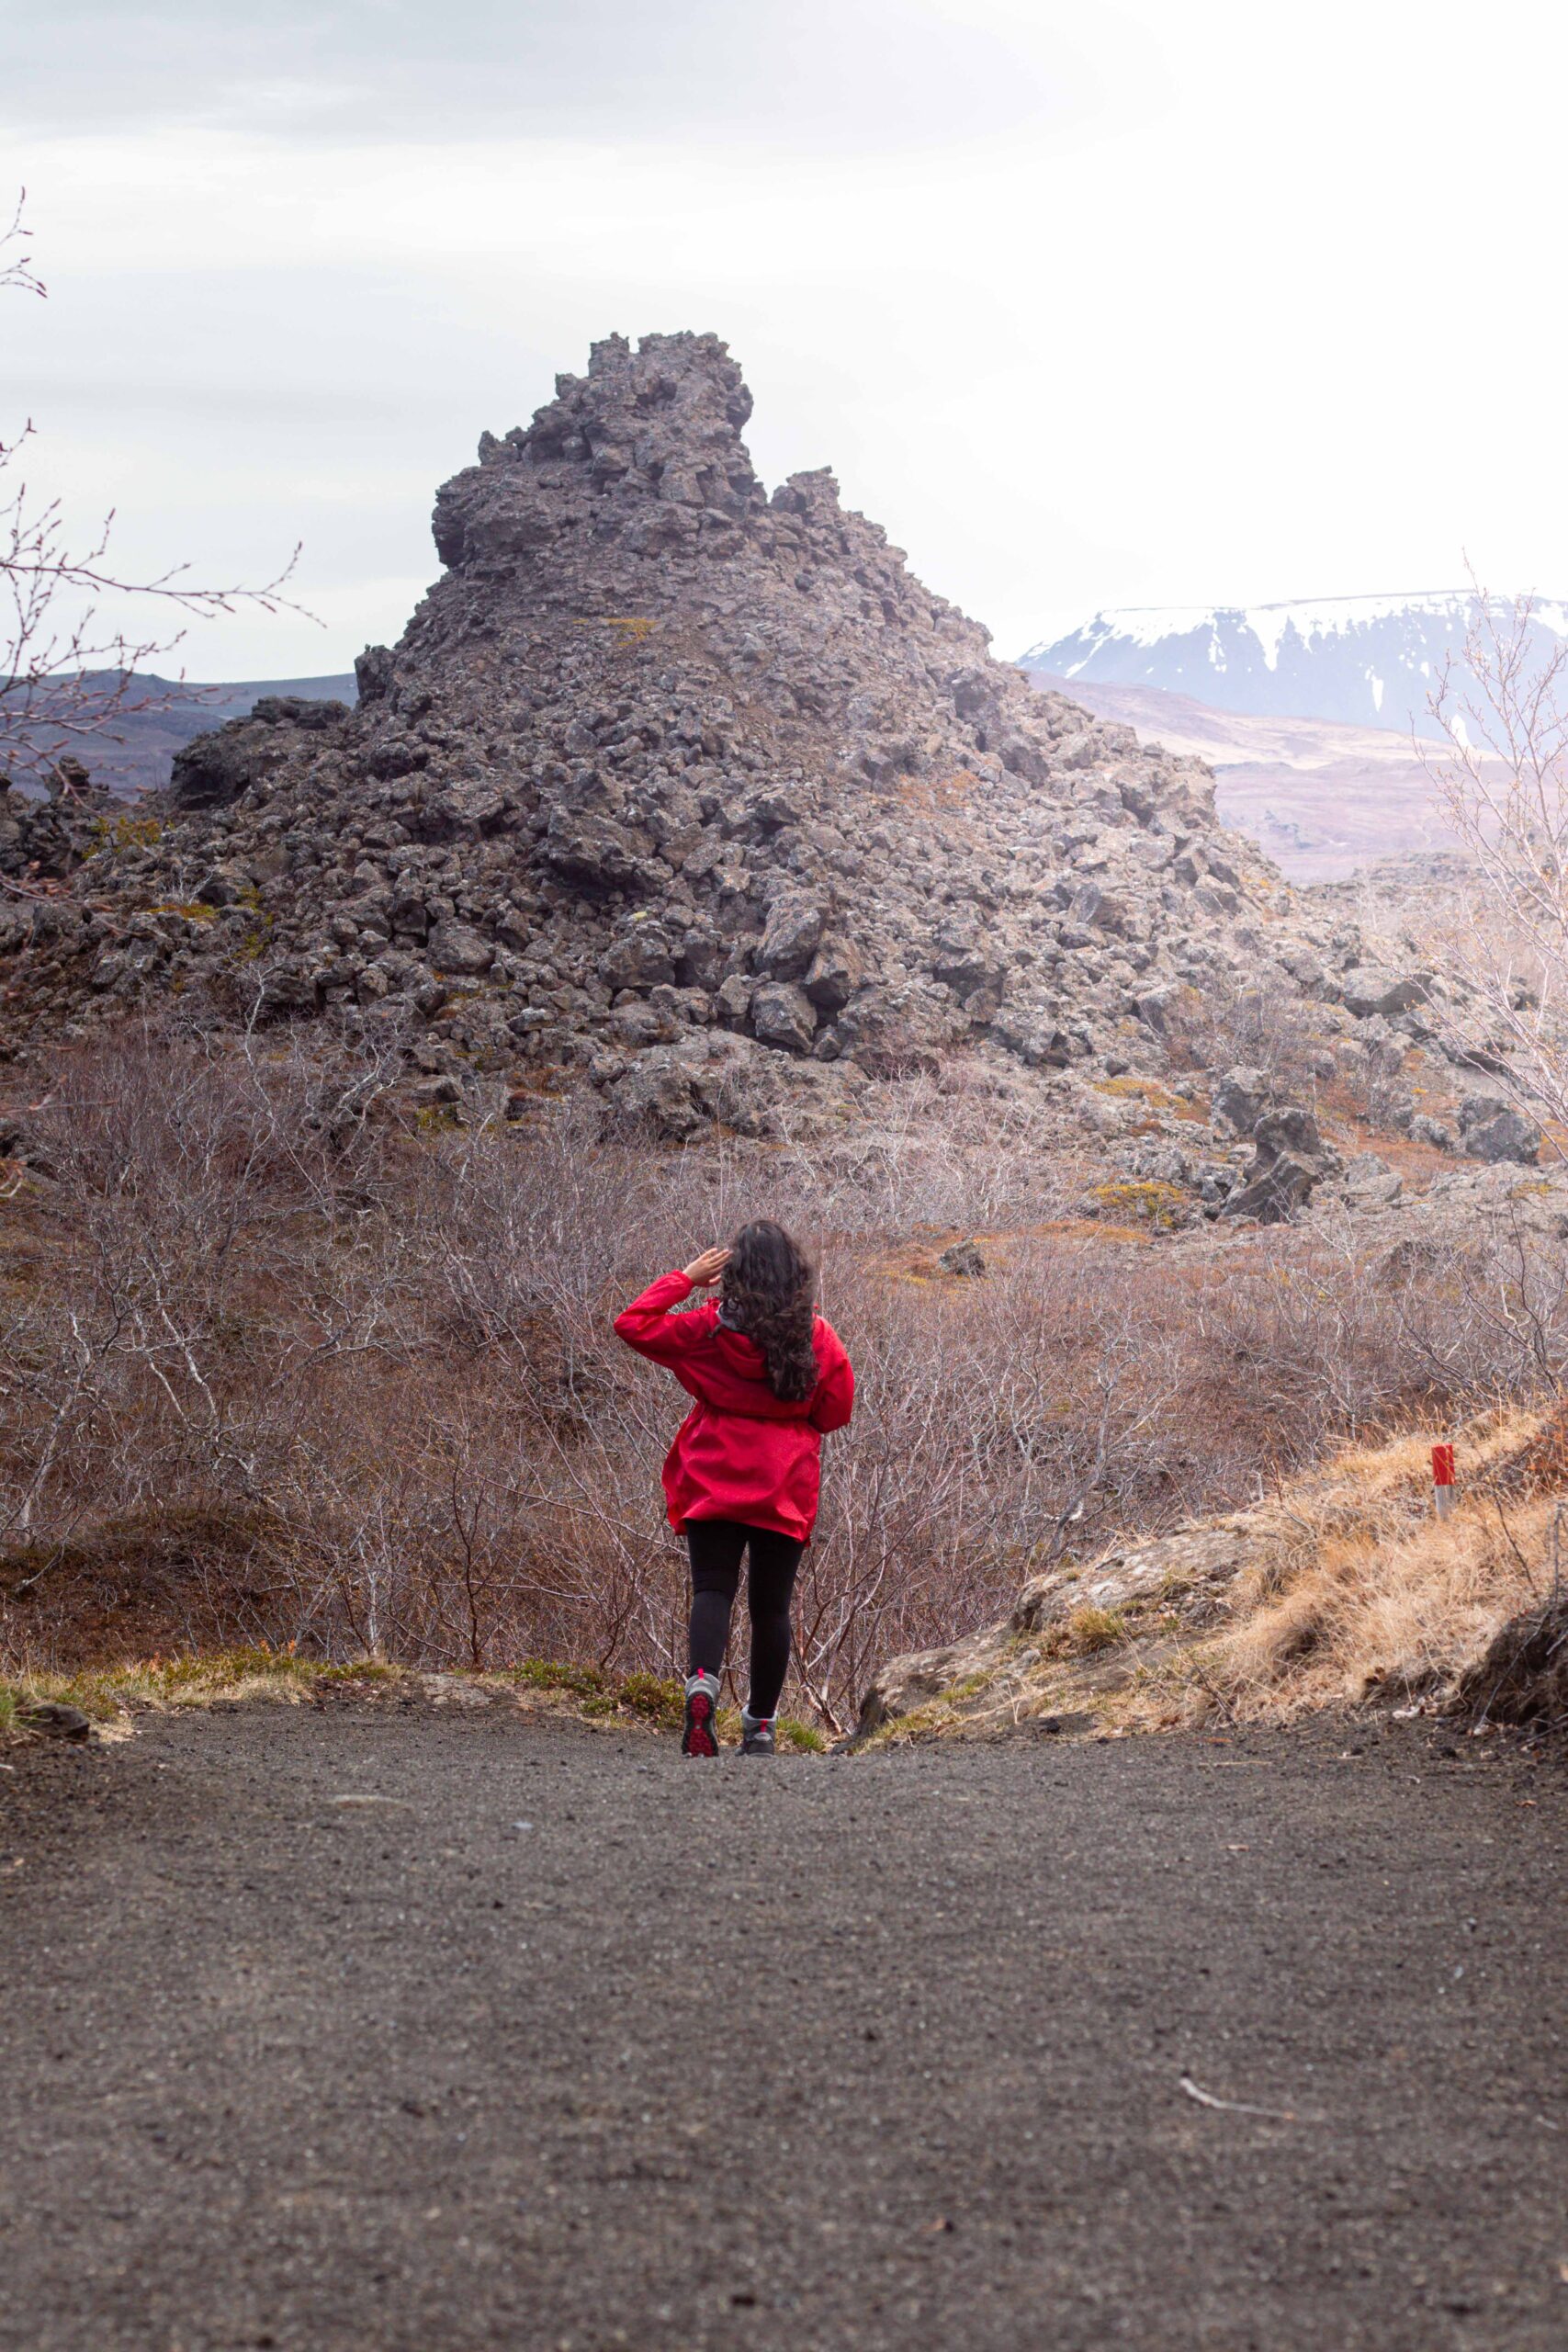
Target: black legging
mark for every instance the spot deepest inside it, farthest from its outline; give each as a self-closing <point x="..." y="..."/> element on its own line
<point x="716" y="1546"/>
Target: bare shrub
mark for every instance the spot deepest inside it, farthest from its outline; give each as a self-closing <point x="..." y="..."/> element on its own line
<point x="275" y="1367"/>
<point x="1224" y="1026"/>
<point x="1503" y="785"/>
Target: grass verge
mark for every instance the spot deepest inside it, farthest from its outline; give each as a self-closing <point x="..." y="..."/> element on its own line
<point x="108" y="1694"/>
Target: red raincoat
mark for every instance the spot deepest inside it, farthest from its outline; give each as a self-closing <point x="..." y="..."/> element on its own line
<point x="741" y="1452"/>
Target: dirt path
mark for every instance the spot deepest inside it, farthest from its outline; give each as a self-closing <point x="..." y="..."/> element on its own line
<point x="579" y="2046"/>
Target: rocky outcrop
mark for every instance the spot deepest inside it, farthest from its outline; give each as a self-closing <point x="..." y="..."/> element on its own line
<point x="44" y="841"/>
<point x="689" y="793"/>
<point x="1289" y="1162"/>
<point x="1493" y="1130"/>
<point x="213" y="771"/>
<point x="1062" y="1611"/>
<point x="1186" y="1626"/>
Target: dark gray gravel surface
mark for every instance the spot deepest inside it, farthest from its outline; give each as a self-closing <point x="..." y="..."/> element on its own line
<point x="564" y="2042"/>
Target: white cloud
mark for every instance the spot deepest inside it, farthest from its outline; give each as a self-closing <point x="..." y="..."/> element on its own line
<point x="1230" y="304"/>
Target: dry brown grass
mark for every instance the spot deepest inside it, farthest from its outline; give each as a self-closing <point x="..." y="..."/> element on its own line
<point x="1362" y="1591"/>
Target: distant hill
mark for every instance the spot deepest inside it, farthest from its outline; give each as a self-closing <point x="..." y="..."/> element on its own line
<point x="1321" y="799"/>
<point x="1361" y="660"/>
<point x="135" y="755"/>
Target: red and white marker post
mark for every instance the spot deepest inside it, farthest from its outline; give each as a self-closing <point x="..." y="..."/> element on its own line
<point x="1442" y="1479"/>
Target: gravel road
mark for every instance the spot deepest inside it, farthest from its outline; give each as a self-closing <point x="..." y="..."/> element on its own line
<point x="549" y="2039"/>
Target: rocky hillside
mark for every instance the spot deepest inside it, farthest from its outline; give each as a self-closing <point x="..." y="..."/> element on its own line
<point x="695" y="795"/>
<point x="1324" y="800"/>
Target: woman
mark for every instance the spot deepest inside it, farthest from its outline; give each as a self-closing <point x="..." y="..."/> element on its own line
<point x="770" y="1378"/>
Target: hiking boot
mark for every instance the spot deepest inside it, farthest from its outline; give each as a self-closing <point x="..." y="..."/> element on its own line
<point x="701" y="1735"/>
<point x="756" y="1735"/>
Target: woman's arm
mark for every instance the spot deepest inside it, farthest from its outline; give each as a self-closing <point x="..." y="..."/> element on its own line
<point x="647" y="1323"/>
<point x="834" y="1399"/>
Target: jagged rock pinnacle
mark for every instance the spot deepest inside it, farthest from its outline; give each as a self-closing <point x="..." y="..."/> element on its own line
<point x="654" y="433"/>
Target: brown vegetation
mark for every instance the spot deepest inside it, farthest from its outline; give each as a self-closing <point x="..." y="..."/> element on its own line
<point x="277" y="1367"/>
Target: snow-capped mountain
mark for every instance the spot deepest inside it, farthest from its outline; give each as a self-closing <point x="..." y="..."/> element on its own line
<point x="1371" y="661"/>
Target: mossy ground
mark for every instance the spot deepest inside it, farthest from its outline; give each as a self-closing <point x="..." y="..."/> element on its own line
<point x="1165" y="1206"/>
<point x="114" y="1694"/>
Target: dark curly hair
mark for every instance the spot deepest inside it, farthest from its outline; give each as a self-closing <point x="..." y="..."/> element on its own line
<point x="770" y="1290"/>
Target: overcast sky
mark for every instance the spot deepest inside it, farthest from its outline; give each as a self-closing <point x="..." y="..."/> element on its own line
<point x="1115" y="302"/>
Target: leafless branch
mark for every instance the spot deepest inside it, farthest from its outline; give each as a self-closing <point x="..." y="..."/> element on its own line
<point x="1502" y="779"/>
<point x="68" y="673"/>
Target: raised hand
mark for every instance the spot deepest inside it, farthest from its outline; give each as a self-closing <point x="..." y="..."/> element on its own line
<point x="706" y="1269"/>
